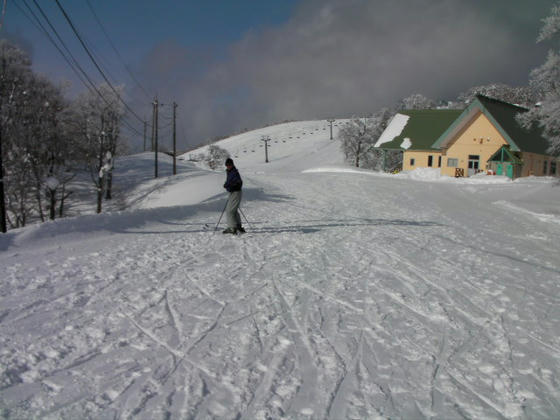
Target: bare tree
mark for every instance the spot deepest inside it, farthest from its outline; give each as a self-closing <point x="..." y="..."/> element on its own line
<point x="358" y="136"/>
<point x="99" y="119"/>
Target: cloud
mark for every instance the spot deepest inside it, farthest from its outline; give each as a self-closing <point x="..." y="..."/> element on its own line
<point x="344" y="57"/>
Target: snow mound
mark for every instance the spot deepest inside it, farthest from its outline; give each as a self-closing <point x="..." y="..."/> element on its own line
<point x="419" y="174"/>
<point x="434" y="175"/>
<point x="341" y="170"/>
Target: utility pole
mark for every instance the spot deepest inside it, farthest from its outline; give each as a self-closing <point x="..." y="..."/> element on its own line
<point x="330" y="120"/>
<point x="3" y="14"/>
<point x="3" y="226"/>
<point x="145" y="128"/>
<point x="266" y="139"/>
<point x="174" y="138"/>
<point x="156" y="105"/>
<point x="153" y="127"/>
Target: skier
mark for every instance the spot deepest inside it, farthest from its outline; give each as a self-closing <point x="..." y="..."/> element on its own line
<point x="233" y="185"/>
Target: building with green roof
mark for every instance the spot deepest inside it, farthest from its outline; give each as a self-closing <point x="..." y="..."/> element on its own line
<point x="485" y="136"/>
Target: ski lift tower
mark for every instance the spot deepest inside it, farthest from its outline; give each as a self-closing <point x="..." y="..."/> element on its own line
<point x="266" y="139"/>
<point x="331" y="120"/>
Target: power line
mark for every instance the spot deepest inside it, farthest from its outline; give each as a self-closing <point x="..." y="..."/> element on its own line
<point x="103" y="63"/>
<point x="94" y="62"/>
<point x="76" y="66"/>
<point x="39" y="25"/>
<point x="68" y="56"/>
<point x="115" y="49"/>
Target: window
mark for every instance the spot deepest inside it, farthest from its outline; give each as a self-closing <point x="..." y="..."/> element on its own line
<point x="412" y="162"/>
<point x="553" y="168"/>
<point x="439" y="162"/>
<point x="545" y="167"/>
<point x="452" y="162"/>
<point x="430" y="161"/>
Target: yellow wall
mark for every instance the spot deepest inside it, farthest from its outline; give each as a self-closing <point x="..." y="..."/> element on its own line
<point x="420" y="159"/>
<point x="479" y="137"/>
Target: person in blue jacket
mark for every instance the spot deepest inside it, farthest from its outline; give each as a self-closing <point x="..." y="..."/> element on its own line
<point x="233" y="185"/>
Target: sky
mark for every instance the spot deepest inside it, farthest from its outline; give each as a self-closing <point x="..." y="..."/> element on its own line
<point x="231" y="66"/>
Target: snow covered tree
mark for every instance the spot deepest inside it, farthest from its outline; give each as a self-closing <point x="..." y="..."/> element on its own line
<point x="358" y="136"/>
<point x="99" y="118"/>
<point x="46" y="142"/>
<point x="524" y="95"/>
<point x="58" y="155"/>
<point x="546" y="81"/>
<point x="380" y="159"/>
<point x="15" y="68"/>
<point x="355" y="140"/>
<point x="34" y="144"/>
<point x="416" y="101"/>
<point x="216" y="156"/>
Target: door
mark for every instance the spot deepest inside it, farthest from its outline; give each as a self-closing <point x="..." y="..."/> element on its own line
<point x="474" y="163"/>
<point x="500" y="169"/>
<point x="509" y="171"/>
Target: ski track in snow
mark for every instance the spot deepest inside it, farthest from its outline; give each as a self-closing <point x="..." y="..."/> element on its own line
<point x="346" y="299"/>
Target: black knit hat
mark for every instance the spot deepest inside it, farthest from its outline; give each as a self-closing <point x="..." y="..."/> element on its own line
<point x="229" y="161"/>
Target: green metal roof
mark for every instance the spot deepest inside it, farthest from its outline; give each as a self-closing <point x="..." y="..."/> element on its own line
<point x="503" y="117"/>
<point x="423" y="128"/>
<point x="504" y="155"/>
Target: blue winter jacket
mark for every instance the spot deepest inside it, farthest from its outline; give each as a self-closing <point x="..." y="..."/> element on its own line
<point x="233" y="180"/>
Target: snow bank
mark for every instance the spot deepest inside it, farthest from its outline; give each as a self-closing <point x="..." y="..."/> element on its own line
<point x="434" y="175"/>
<point x="419" y="174"/>
<point x="342" y="170"/>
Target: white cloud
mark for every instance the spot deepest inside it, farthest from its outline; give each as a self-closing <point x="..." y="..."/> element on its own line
<point x="343" y="57"/>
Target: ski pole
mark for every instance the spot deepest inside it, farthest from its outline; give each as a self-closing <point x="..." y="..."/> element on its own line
<point x="220" y="219"/>
<point x="245" y="217"/>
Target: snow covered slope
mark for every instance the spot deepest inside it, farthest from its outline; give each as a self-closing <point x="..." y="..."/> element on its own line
<point x="354" y="295"/>
<point x="293" y="146"/>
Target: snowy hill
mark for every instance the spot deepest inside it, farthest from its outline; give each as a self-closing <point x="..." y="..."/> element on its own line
<point x="293" y="146"/>
<point x="353" y="295"/>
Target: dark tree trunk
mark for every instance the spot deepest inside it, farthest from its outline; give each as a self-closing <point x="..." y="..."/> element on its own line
<point x="108" y="193"/>
<point x="99" y="195"/>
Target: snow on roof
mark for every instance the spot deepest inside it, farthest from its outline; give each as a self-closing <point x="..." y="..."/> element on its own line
<point x="406" y="144"/>
<point x="394" y="129"/>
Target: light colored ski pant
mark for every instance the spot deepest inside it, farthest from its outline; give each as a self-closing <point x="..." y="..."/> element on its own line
<point x="232" y="215"/>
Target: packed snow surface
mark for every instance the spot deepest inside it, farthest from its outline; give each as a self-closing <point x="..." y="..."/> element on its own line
<point x="354" y="295"/>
